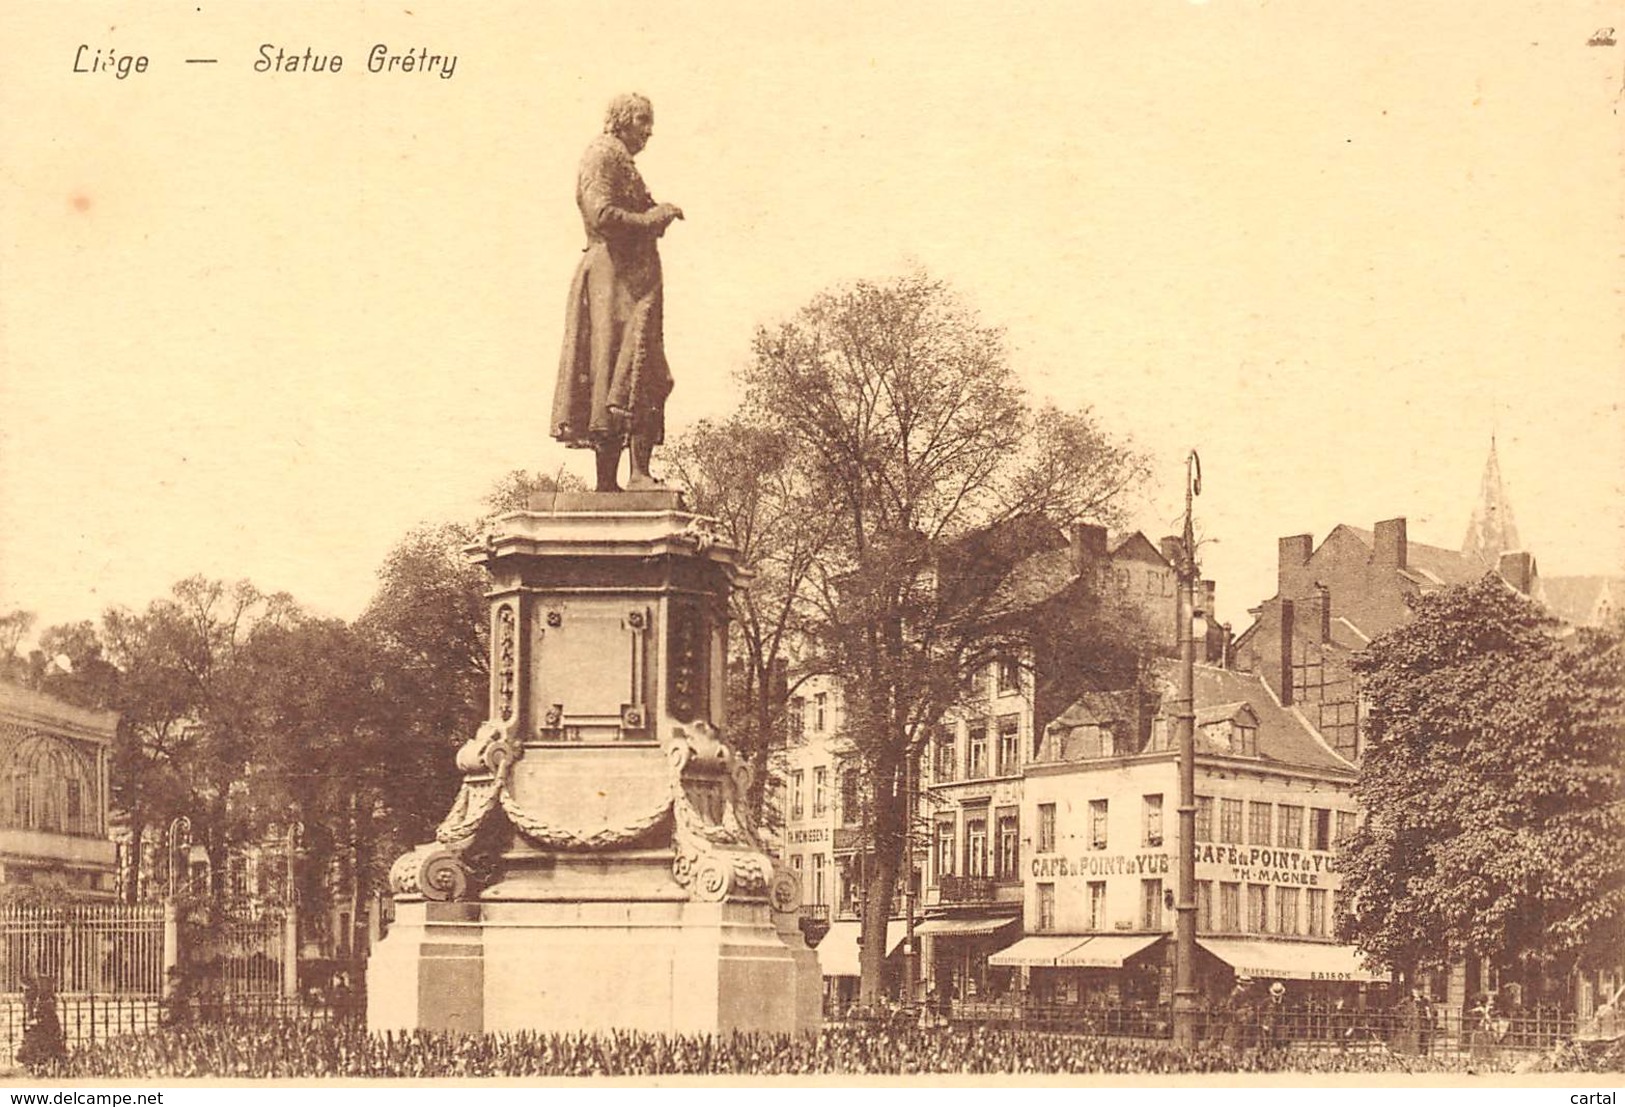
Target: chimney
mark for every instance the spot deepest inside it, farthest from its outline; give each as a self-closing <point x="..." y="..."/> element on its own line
<point x="1287" y="616"/>
<point x="1204" y="598"/>
<point x="1292" y="554"/>
<point x="1518" y="569"/>
<point x="1317" y="617"/>
<point x="1390" y="543"/>
<point x="1087" y="544"/>
<point x="1170" y="547"/>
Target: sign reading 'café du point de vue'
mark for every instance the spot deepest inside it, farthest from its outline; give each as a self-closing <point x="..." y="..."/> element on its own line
<point x="1249" y="864"/>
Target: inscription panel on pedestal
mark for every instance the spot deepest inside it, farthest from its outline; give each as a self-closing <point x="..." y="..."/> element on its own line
<point x="589" y="672"/>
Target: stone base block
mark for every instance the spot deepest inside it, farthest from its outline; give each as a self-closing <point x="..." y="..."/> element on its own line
<point x="561" y="967"/>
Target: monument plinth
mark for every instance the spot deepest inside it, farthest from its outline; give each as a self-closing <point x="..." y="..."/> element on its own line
<point x="598" y="868"/>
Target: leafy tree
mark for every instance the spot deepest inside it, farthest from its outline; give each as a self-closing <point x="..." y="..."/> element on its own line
<point x="79" y="671"/>
<point x="745" y="476"/>
<point x="936" y="476"/>
<point x="187" y="735"/>
<point x="14" y="627"/>
<point x="1492" y="786"/>
<point x="321" y="770"/>
<point x="427" y="637"/>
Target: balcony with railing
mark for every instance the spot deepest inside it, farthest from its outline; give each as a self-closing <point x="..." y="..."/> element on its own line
<point x="966" y="890"/>
<point x="813" y="919"/>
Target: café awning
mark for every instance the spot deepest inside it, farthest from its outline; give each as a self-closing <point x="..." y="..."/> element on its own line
<point x="1037" y="949"/>
<point x="964" y="928"/>
<point x="838" y="952"/>
<point x="1290" y="960"/>
<point x="1107" y="951"/>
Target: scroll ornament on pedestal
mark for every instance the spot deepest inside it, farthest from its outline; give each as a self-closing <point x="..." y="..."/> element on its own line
<point x="718" y="856"/>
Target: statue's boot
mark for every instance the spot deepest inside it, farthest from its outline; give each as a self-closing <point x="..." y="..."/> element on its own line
<point x="609" y="460"/>
<point x="639" y="480"/>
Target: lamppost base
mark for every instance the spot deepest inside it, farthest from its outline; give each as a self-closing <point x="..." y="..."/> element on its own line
<point x="1187" y="1022"/>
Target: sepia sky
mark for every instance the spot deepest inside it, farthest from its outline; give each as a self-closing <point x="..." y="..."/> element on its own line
<point x="260" y="324"/>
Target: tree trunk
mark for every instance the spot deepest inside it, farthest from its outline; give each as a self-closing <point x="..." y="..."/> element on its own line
<point x="762" y="707"/>
<point x="132" y="874"/>
<point x="877" y="910"/>
<point x="880" y="881"/>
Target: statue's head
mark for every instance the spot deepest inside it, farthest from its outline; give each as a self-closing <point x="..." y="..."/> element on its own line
<point x="630" y="118"/>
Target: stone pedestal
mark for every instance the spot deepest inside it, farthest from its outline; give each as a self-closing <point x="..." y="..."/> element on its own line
<point x="598" y="869"/>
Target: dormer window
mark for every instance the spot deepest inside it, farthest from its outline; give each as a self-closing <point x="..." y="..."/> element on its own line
<point x="1230" y="728"/>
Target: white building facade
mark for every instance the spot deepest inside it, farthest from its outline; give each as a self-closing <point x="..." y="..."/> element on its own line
<point x="1273" y="800"/>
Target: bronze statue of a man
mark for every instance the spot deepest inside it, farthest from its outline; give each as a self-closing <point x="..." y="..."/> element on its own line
<point x="613" y="376"/>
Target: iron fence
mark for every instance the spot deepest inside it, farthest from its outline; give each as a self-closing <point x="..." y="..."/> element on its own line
<point x="89" y="947"/>
<point x="237" y="956"/>
<point x="1444" y="1032"/>
<point x="90" y="1019"/>
<point x="1113" y="1022"/>
<point x="1451" y="1032"/>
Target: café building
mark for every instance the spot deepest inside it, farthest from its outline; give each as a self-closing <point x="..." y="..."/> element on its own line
<point x="1100" y="798"/>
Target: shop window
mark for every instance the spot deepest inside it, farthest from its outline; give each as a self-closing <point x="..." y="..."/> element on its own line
<point x="1260" y="817"/>
<point x="1046" y="908"/>
<point x="1153" y="821"/>
<point x="1204" y="818"/>
<point x="1317" y="913"/>
<point x="978" y="750"/>
<point x="976" y="846"/>
<point x="1229" y="908"/>
<point x="1009" y="849"/>
<point x="820" y="790"/>
<point x="1046" y="828"/>
<point x="1009" y="745"/>
<point x="1290" y="834"/>
<point x="1097" y="824"/>
<point x="1097" y="905"/>
<point x="1258" y="915"/>
<point x="1320" y="828"/>
<point x="1286" y="910"/>
<point x="1230" y="821"/>
<point x="1150" y="905"/>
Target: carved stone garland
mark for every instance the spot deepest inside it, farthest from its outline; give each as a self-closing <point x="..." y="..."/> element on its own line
<point x="717" y="857"/>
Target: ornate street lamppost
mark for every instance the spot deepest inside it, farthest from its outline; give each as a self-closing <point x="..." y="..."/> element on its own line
<point x="1185" y="1006"/>
<point x="172" y="839"/>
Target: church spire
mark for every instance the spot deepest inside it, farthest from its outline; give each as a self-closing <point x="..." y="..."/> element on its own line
<point x="1491" y="532"/>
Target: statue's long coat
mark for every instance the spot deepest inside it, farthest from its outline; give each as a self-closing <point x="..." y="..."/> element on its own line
<point x="613" y="376"/>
